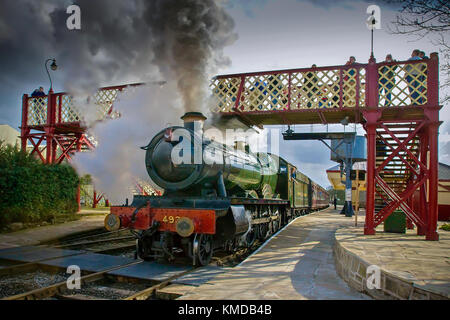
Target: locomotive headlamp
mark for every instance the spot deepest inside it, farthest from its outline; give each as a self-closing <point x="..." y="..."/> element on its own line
<point x="112" y="222"/>
<point x="185" y="227"/>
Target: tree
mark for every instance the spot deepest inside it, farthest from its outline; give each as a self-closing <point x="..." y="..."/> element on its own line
<point x="421" y="18"/>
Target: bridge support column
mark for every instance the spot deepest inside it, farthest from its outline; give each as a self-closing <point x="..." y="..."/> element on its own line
<point x="79" y="147"/>
<point x="49" y="158"/>
<point x="432" y="113"/>
<point x="348" y="180"/>
<point x="409" y="223"/>
<point x="94" y="201"/>
<point x="372" y="117"/>
<point x="432" y="234"/>
<point x="24" y="130"/>
<point x="50" y="129"/>
<point x="423" y="205"/>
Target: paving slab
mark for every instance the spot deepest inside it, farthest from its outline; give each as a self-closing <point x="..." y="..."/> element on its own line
<point x="151" y="271"/>
<point x="411" y="268"/>
<point x="36" y="236"/>
<point x="173" y="291"/>
<point x="200" y="276"/>
<point x="295" y="264"/>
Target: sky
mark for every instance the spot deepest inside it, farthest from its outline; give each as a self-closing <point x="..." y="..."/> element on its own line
<point x="270" y="35"/>
<point x="284" y="34"/>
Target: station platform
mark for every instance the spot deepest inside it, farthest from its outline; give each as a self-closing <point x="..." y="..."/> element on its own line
<point x="304" y="260"/>
<point x="39" y="235"/>
<point x="411" y="268"/>
<point x="318" y="256"/>
<point x="295" y="264"/>
<point x="97" y="211"/>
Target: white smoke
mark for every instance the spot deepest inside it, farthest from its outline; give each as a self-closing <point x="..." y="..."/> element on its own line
<point x="118" y="158"/>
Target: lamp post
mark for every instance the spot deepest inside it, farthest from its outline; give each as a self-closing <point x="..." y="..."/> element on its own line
<point x="347" y="161"/>
<point x="53" y="66"/>
<point x="51" y="118"/>
<point x="373" y="22"/>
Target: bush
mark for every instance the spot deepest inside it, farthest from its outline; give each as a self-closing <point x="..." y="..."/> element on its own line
<point x="31" y="191"/>
<point x="445" y="227"/>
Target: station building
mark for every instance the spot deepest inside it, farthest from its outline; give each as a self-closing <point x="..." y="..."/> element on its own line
<point x="444" y="192"/>
<point x="338" y="183"/>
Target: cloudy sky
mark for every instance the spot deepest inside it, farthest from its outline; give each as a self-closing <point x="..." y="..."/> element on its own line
<point x="271" y="34"/>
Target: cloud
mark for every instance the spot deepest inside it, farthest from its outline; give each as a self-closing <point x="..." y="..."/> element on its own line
<point x="248" y="6"/>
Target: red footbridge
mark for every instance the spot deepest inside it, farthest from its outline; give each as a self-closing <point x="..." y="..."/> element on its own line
<point x="397" y="103"/>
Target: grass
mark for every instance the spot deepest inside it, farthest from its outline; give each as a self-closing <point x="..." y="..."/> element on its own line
<point x="95" y="209"/>
<point x="59" y="219"/>
<point x="445" y="227"/>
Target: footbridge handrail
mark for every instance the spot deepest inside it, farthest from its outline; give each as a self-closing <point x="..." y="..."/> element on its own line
<point x="396" y="84"/>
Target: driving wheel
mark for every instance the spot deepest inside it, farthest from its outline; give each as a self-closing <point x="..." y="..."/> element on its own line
<point x="203" y="246"/>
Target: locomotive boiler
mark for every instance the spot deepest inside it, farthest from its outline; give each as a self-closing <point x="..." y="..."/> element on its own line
<point x="215" y="196"/>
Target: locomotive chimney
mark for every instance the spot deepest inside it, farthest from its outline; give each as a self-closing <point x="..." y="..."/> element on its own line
<point x="194" y="121"/>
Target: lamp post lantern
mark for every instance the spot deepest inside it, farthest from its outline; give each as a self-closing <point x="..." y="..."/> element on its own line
<point x="373" y="22"/>
<point x="53" y="66"/>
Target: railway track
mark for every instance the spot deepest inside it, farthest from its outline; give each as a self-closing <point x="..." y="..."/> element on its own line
<point x="105" y="242"/>
<point x="101" y="284"/>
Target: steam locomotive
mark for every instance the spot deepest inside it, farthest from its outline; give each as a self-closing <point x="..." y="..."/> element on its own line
<point x="209" y="204"/>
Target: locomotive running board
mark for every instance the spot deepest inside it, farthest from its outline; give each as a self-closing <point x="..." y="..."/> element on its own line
<point x="247" y="201"/>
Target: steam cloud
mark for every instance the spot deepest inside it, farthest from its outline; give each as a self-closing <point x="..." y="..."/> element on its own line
<point x="188" y="38"/>
<point x="178" y="41"/>
<point x="118" y="160"/>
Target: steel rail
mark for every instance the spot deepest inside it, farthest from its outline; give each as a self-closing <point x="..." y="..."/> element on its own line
<point x="36" y="264"/>
<point x="58" y="288"/>
<point x="48" y="244"/>
<point x="94" y="242"/>
<point x="147" y="293"/>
